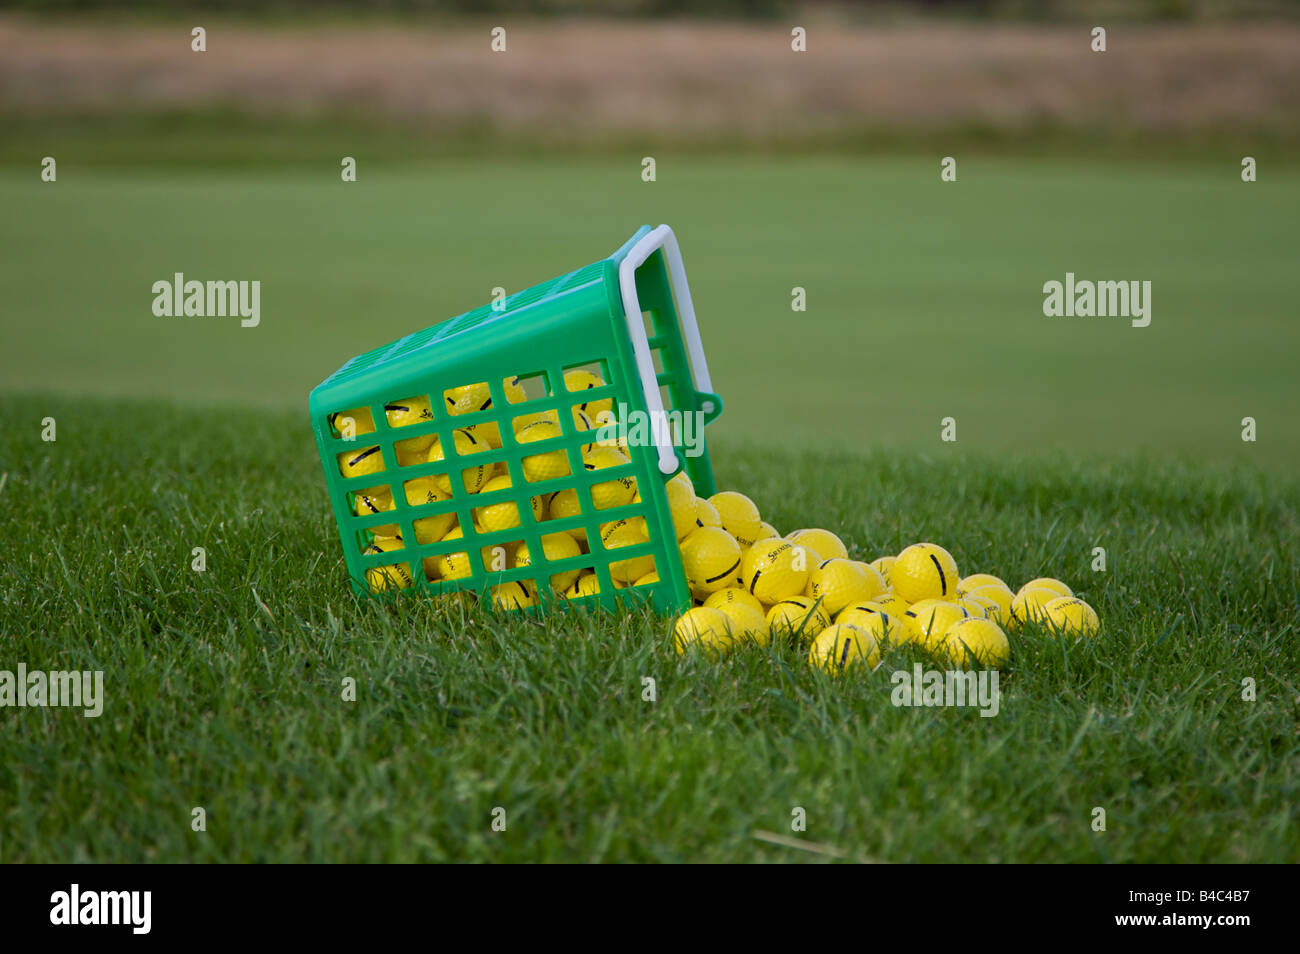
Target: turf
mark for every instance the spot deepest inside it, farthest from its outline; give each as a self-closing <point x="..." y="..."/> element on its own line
<point x="924" y="299"/>
<point x="224" y="687"/>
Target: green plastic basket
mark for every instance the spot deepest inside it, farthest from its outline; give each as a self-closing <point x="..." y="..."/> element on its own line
<point x="621" y="317"/>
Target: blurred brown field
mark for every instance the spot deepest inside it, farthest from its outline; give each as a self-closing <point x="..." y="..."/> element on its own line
<point x="583" y="80"/>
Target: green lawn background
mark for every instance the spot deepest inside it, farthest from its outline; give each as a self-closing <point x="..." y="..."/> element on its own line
<point x="924" y="298"/>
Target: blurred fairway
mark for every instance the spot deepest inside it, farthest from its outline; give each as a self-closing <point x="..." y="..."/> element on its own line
<point x="924" y="298"/>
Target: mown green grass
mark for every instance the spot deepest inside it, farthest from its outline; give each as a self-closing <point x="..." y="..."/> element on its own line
<point x="224" y="686"/>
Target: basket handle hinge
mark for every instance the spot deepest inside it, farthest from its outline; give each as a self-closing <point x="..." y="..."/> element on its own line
<point x="663" y="237"/>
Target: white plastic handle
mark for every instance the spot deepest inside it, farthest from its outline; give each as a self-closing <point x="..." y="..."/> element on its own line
<point x="662" y="237"/>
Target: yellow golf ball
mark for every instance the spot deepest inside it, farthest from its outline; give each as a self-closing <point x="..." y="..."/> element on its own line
<point x="797" y="616"/>
<point x="968" y="583"/>
<point x="353" y="423"/>
<point x="555" y="547"/>
<point x="874" y="579"/>
<point x="1071" y="616"/>
<point x="473" y="478"/>
<point x="546" y="466"/>
<point x="421" y="492"/>
<point x="747" y="624"/>
<point x="504" y="514"/>
<point x="412" y="452"/>
<point x="626" y="533"/>
<point x="822" y="542"/>
<point x="703" y="628"/>
<point x="739" y="516"/>
<point x="892" y="603"/>
<point x="471" y="399"/>
<point x="564" y="503"/>
<point x="373" y="501"/>
<point x="731" y="596"/>
<point x="468" y="398"/>
<point x="924" y="571"/>
<point x="609" y="493"/>
<point x="886" y="627"/>
<point x="841" y="647"/>
<point x="393" y="576"/>
<point x="1029" y="605"/>
<point x="839" y="582"/>
<point x="515" y="392"/>
<point x="581" y="379"/>
<point x="408" y="411"/>
<point x="932" y="619"/>
<point x="711" y="559"/>
<point x="681" y="477"/>
<point x="450" y="566"/>
<point x="774" y="569"/>
<point x="362" y="461"/>
<point x="972" y="643"/>
<point x="978" y="606"/>
<point x="513" y="594"/>
<point x="587" y="584"/>
<point x="681" y="504"/>
<point x="1000" y="596"/>
<point x="706" y="515"/>
<point x="1047" y="582"/>
<point x="883" y="566"/>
